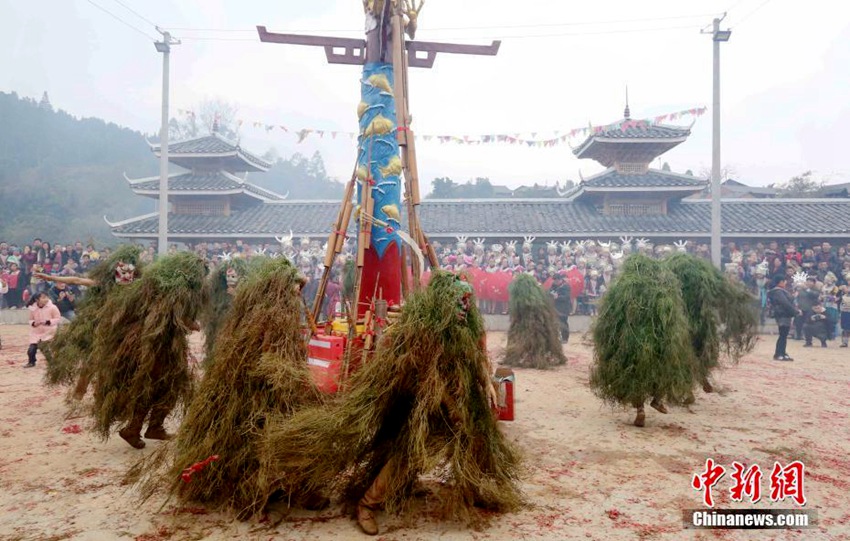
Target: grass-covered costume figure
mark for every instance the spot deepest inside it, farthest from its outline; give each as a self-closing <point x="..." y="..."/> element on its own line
<point x="223" y="283"/>
<point x="533" y="336"/>
<point x="259" y="368"/>
<point x="642" y="348"/>
<point x="141" y="347"/>
<point x="70" y="359"/>
<point x="421" y="404"/>
<point x="721" y="317"/>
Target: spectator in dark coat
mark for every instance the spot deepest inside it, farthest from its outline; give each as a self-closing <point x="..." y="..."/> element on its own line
<point x="65" y="299"/>
<point x="806" y="299"/>
<point x="783" y="311"/>
<point x="817" y="326"/>
<point x="562" y="294"/>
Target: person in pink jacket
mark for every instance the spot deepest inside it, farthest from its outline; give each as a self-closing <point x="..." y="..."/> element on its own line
<point x="44" y="319"/>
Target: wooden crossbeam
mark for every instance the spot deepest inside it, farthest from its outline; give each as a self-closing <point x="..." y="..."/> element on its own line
<point x="353" y="51"/>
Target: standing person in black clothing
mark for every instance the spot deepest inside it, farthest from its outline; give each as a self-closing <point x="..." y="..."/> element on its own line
<point x="783" y="311"/>
<point x="562" y="293"/>
<point x="806" y="299"/>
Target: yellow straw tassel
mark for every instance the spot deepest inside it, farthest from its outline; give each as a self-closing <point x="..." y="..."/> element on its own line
<point x="393" y="167"/>
<point x="379" y="80"/>
<point x="380" y="125"/>
<point x="362" y="173"/>
<point x="392" y="212"/>
<point x="362" y="107"/>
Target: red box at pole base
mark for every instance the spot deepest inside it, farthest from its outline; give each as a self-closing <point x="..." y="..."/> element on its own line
<point x="504" y="379"/>
<point x="324" y="358"/>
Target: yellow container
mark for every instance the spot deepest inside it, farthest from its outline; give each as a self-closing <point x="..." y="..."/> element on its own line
<point x="340" y="326"/>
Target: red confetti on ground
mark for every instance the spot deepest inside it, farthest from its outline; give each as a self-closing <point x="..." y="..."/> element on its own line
<point x="613" y="514"/>
<point x="189" y="511"/>
<point x="196" y="467"/>
<point x="162" y="533"/>
<point x="72" y="429"/>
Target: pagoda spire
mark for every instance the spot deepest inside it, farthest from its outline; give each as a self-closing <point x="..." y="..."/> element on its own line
<point x="627" y="114"/>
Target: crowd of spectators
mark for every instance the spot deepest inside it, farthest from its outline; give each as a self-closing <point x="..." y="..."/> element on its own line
<point x="18" y="264"/>
<point x="587" y="267"/>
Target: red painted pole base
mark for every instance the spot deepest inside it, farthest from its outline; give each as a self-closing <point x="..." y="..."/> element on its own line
<point x="385" y="272"/>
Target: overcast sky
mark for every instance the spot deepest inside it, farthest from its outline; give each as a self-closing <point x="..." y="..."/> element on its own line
<point x="785" y="76"/>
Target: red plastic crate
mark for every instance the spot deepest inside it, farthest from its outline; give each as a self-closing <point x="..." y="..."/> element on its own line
<point x="324" y="358"/>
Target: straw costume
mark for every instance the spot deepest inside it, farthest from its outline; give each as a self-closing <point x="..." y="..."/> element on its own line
<point x="533" y="337"/>
<point x="223" y="283"/>
<point x="642" y="347"/>
<point x="721" y="317"/>
<point x="70" y="358"/>
<point x="259" y="367"/>
<point x="142" y="348"/>
<point x="422" y="404"/>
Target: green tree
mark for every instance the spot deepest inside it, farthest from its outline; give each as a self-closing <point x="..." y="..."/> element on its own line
<point x="442" y="188"/>
<point x="802" y="185"/>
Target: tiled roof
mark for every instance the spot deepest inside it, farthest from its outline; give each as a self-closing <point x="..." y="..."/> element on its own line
<point x="206" y="181"/>
<point x="539" y="217"/>
<point x="636" y="132"/>
<point x="213" y="144"/>
<point x="634" y="144"/>
<point x="651" y="179"/>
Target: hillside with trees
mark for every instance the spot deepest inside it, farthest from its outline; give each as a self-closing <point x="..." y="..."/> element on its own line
<point x="59" y="174"/>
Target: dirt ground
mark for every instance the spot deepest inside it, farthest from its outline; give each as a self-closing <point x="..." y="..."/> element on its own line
<point x="590" y="473"/>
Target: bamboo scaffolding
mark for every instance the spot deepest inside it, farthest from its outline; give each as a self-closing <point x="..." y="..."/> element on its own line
<point x="336" y="239"/>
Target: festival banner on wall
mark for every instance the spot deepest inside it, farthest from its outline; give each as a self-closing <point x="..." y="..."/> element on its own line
<point x="532" y="141"/>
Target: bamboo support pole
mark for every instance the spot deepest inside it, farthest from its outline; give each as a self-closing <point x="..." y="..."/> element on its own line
<point x="335" y="239"/>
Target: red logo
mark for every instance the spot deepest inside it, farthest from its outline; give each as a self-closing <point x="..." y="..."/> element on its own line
<point x="706" y="480"/>
<point x="787" y="482"/>
<point x="747" y="483"/>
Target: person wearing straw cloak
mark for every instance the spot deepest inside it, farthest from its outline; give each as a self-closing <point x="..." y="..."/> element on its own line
<point x="642" y="348"/>
<point x="721" y="315"/>
<point x="258" y="368"/>
<point x="533" y="336"/>
<point x="422" y="404"/>
<point x="71" y="351"/>
<point x="142" y="348"/>
<point x="223" y="282"/>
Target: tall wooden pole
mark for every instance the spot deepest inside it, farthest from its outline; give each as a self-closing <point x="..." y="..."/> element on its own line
<point x="385" y="56"/>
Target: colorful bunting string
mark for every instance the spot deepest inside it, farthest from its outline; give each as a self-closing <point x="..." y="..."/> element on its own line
<point x="561" y="136"/>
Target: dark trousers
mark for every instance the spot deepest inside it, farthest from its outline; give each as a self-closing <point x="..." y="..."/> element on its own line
<point x="815" y="331"/>
<point x="31" y="353"/>
<point x="800" y="322"/>
<point x="564" y="328"/>
<point x="782" y="341"/>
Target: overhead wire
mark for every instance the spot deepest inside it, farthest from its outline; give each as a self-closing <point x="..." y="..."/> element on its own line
<point x="500" y="37"/>
<point x="136" y="13"/>
<point x="120" y="20"/>
<point x="454" y="28"/>
<point x="753" y="12"/>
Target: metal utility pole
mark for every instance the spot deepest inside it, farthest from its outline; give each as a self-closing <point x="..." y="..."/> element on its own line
<point x="164" y="47"/>
<point x="717" y="37"/>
